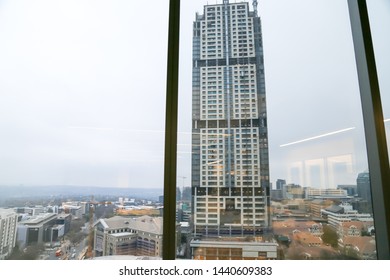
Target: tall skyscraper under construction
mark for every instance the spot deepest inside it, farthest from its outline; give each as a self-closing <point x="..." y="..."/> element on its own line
<point x="230" y="169"/>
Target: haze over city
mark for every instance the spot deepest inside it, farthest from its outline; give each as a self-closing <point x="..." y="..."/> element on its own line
<point x="82" y="91"/>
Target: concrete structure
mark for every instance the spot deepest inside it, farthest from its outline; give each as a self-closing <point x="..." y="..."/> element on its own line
<point x="46" y="227"/>
<point x="280" y="183"/>
<point x="31" y="211"/>
<point x="233" y="249"/>
<point x="8" y="222"/>
<point x="74" y="208"/>
<point x="351" y="189"/>
<point x="317" y="205"/>
<point x="183" y="212"/>
<point x="313" y="193"/>
<point x="336" y="215"/>
<point x="63" y="224"/>
<point x="141" y="236"/>
<point x="364" y="189"/>
<point x="277" y="194"/>
<point x="230" y="169"/>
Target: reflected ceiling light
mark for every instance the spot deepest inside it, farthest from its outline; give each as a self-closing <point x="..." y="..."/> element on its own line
<point x="213" y="162"/>
<point x="387" y="120"/>
<point x="318" y="136"/>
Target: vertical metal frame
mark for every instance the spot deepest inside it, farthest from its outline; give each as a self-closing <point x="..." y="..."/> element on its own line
<point x="169" y="218"/>
<point x="378" y="158"/>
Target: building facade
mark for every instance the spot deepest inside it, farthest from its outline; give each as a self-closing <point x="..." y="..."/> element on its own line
<point x="236" y="249"/>
<point x="280" y="183"/>
<point x="230" y="169"/>
<point x="46" y="227"/>
<point x="337" y="215"/>
<point x="8" y="223"/>
<point x="363" y="186"/>
<point x="314" y="193"/>
<point x="141" y="236"/>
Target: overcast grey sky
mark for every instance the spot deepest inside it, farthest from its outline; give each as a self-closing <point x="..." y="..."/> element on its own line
<point x="82" y="91"/>
<point x="82" y="88"/>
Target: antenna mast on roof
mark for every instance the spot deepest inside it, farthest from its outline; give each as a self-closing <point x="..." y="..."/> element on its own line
<point x="254" y="3"/>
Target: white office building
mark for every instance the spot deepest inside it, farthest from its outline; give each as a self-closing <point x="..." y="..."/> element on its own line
<point x="8" y="222"/>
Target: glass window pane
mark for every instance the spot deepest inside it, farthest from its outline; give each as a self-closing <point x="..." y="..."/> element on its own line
<point x="276" y="161"/>
<point x="82" y="112"/>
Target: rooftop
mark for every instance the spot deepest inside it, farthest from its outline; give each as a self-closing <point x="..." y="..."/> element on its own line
<point x="6" y="212"/>
<point x="41" y="218"/>
<point x="233" y="241"/>
<point x="143" y="223"/>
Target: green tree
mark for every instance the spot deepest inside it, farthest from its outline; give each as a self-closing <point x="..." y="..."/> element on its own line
<point x="31" y="252"/>
<point x="330" y="236"/>
<point x="75" y="235"/>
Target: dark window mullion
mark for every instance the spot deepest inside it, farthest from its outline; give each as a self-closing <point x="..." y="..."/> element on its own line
<point x="378" y="159"/>
<point x="169" y="219"/>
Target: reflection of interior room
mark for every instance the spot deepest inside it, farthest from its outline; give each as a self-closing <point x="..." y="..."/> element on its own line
<point x="325" y="163"/>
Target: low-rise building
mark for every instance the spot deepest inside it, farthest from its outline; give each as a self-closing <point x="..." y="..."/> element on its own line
<point x="141" y="236"/>
<point x="307" y="239"/>
<point x="317" y="205"/>
<point x="287" y="227"/>
<point x="354" y="228"/>
<point x="73" y="208"/>
<point x="360" y="247"/>
<point x="31" y="211"/>
<point x="233" y="249"/>
<point x="46" y="227"/>
<point x="336" y="215"/>
<point x="314" y="193"/>
<point x="351" y="189"/>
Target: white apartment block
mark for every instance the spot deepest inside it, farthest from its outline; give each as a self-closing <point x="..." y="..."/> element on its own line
<point x="230" y="170"/>
<point x="8" y="223"/>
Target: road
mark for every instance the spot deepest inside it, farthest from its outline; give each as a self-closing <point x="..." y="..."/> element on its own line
<point x="69" y="251"/>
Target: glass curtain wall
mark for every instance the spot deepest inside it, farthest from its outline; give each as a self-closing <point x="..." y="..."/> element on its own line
<point x="82" y="122"/>
<point x="272" y="160"/>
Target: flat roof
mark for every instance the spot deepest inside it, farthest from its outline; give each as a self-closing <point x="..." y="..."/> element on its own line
<point x="120" y="234"/>
<point x="40" y="219"/>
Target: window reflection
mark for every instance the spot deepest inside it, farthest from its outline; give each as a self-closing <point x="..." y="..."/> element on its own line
<point x="319" y="206"/>
<point x="82" y="109"/>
